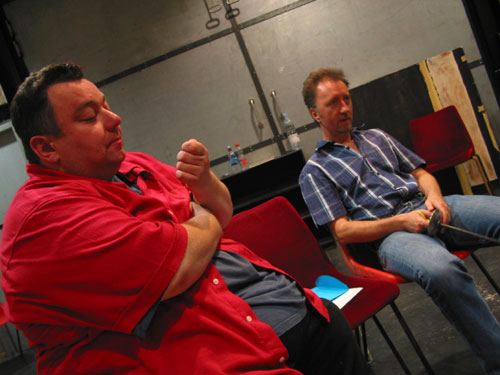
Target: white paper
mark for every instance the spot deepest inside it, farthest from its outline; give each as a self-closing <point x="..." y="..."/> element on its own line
<point x="343" y="299"/>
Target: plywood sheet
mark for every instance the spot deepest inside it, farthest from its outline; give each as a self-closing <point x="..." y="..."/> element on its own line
<point x="449" y="84"/>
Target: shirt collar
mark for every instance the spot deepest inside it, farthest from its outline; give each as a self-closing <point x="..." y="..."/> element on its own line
<point x="355" y="131"/>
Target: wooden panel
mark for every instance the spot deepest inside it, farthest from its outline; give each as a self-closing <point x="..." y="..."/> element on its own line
<point x="452" y="91"/>
<point x="390" y="102"/>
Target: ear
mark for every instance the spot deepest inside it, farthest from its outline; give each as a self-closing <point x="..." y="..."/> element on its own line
<point x="315" y="115"/>
<point x="42" y="146"/>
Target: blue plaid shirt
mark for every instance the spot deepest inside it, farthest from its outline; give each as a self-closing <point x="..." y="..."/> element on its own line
<point x="337" y="181"/>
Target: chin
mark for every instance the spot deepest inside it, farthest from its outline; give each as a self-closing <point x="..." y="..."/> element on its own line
<point x="120" y="156"/>
<point x="124" y="153"/>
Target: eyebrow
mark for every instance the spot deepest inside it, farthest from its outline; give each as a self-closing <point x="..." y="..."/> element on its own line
<point x="88" y="104"/>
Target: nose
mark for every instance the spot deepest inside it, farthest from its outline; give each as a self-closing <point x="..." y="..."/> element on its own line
<point x="111" y="119"/>
<point x="345" y="106"/>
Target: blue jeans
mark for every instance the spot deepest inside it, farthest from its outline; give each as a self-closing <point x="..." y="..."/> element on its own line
<point x="443" y="276"/>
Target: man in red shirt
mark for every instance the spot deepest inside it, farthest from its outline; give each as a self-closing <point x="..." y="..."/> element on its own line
<point x="113" y="262"/>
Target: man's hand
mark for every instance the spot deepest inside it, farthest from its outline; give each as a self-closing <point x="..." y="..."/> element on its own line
<point x="193" y="165"/>
<point x="436" y="201"/>
<point x="193" y="169"/>
<point x="432" y="191"/>
<point x="415" y="221"/>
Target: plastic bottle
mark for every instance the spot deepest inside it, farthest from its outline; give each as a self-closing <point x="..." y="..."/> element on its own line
<point x="291" y="133"/>
<point x="234" y="164"/>
<point x="241" y="157"/>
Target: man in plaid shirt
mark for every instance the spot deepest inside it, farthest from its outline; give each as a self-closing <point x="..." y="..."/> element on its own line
<point x="371" y="190"/>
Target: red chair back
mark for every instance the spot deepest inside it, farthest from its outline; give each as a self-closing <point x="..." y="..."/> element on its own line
<point x="275" y="231"/>
<point x="441" y="139"/>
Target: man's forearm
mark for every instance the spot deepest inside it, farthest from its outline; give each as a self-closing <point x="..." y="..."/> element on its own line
<point x="203" y="231"/>
<point x="426" y="182"/>
<point x="347" y="231"/>
<point x="217" y="199"/>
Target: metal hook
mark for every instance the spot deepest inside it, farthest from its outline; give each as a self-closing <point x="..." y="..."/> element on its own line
<point x="256" y="122"/>
<point x="260" y="125"/>
<point x="276" y="105"/>
<point x="230" y="12"/>
<point x="212" y="22"/>
<point x="214" y="7"/>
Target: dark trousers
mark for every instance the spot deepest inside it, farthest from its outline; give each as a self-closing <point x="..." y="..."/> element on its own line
<point x="316" y="347"/>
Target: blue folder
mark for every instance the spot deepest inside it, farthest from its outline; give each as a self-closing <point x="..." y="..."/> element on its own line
<point x="329" y="287"/>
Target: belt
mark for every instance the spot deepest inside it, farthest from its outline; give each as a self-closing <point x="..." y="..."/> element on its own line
<point x="417" y="196"/>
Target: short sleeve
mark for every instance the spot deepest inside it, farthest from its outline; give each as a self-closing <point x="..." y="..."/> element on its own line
<point x="320" y="195"/>
<point x="80" y="260"/>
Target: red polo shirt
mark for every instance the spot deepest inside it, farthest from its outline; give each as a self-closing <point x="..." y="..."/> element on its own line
<point x="83" y="260"/>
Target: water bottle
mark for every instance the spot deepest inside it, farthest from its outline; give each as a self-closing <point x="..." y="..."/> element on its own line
<point x="241" y="157"/>
<point x="291" y="133"/>
<point x="234" y="164"/>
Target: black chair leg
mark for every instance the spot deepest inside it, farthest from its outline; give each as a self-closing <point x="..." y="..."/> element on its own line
<point x="485" y="272"/>
<point x="356" y="334"/>
<point x="391" y="345"/>
<point x="19" y="344"/>
<point x="410" y="336"/>
<point x="12" y="340"/>
<point x="360" y="334"/>
<point x="365" y="342"/>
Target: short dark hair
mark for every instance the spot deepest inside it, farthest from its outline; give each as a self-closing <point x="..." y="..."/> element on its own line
<point x="30" y="111"/>
<point x="314" y="78"/>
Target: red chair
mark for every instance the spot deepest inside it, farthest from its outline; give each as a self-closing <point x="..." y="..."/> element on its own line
<point x="443" y="141"/>
<point x="3" y="322"/>
<point x="366" y="271"/>
<point x="275" y="231"/>
<point x="363" y="270"/>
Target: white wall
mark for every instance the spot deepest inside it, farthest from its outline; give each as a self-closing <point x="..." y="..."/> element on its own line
<point x="12" y="167"/>
<point x="204" y="92"/>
